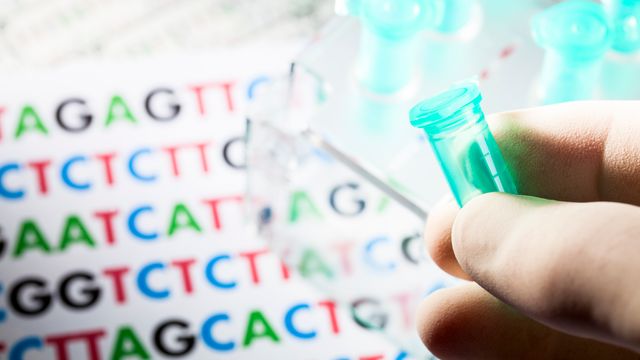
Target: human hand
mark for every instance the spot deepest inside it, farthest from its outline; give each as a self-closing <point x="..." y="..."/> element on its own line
<point x="555" y="278"/>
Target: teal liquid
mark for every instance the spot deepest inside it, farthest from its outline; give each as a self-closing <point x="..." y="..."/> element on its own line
<point x="462" y="142"/>
<point x="473" y="164"/>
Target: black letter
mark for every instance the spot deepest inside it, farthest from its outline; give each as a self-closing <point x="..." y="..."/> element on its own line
<point x="40" y="299"/>
<point x="84" y="115"/>
<point x="375" y="320"/>
<point x="406" y="242"/>
<point x="174" y="107"/>
<point x="360" y="203"/>
<point x="226" y="149"/>
<point x="3" y="243"/>
<point x="91" y="293"/>
<point x="187" y="341"/>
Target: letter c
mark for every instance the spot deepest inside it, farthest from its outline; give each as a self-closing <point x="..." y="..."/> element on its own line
<point x="64" y="173"/>
<point x="22" y="346"/>
<point x="133" y="228"/>
<point x="7" y="193"/>
<point x="207" y="333"/>
<point x="212" y="277"/>
<point x="143" y="281"/>
<point x="134" y="170"/>
<point x="368" y="255"/>
<point x="291" y="328"/>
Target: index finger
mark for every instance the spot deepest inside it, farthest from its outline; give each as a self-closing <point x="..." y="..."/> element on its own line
<point x="579" y="151"/>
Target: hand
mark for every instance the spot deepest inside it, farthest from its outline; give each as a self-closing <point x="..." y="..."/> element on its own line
<point x="553" y="278"/>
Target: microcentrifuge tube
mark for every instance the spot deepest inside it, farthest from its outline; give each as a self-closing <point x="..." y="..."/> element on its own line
<point x="390" y="43"/>
<point x="465" y="148"/>
<point x="575" y="36"/>
<point x="453" y="15"/>
<point x="624" y="20"/>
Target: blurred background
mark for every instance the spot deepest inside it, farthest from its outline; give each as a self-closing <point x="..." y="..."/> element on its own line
<point x="41" y="33"/>
<point x="238" y="179"/>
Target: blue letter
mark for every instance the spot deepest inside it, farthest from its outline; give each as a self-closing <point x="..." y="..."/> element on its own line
<point x="65" y="174"/>
<point x="143" y="284"/>
<point x="3" y="312"/>
<point x="251" y="90"/>
<point x="19" y="348"/>
<point x="211" y="276"/>
<point x="288" y="323"/>
<point x="4" y="192"/>
<point x="133" y="170"/>
<point x="133" y="228"/>
<point x="207" y="334"/>
<point x="368" y="258"/>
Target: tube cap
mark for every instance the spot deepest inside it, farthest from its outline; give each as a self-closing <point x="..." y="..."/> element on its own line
<point x="576" y="29"/>
<point x="445" y="105"/>
<point x="397" y="19"/>
<point x="624" y="17"/>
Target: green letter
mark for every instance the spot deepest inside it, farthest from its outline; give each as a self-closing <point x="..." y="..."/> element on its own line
<point x="30" y="237"/>
<point x="265" y="330"/>
<point x="298" y="200"/>
<point x="75" y="232"/>
<point x="311" y="263"/>
<point x="188" y="220"/>
<point x="127" y="344"/>
<point x="118" y="110"/>
<point x="385" y="201"/>
<point x="29" y="121"/>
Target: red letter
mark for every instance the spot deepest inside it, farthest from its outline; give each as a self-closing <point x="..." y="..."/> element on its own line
<point x="172" y="151"/>
<point x="331" y="308"/>
<point x="117" y="275"/>
<point x="228" y="94"/>
<point x="286" y="274"/>
<point x="226" y="87"/>
<point x="404" y="299"/>
<point x="214" y="208"/>
<point x="374" y="357"/>
<point x="183" y="266"/>
<point x="39" y="167"/>
<point x="343" y="250"/>
<point x="1" y="113"/>
<point x="252" y="257"/>
<point x="198" y="90"/>
<point x="106" y="161"/>
<point x="59" y="342"/>
<point x="203" y="156"/>
<point x="107" y="217"/>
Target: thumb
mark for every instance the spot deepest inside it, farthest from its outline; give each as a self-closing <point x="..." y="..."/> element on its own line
<point x="571" y="266"/>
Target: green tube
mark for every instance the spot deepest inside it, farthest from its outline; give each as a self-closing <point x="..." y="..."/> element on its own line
<point x="460" y="137"/>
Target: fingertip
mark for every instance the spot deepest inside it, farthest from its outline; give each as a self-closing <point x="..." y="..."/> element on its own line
<point x="471" y="219"/>
<point x="478" y="206"/>
<point x="452" y="322"/>
<point x="480" y="224"/>
<point x="439" y="322"/>
<point x="437" y="235"/>
<point x="466" y="322"/>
